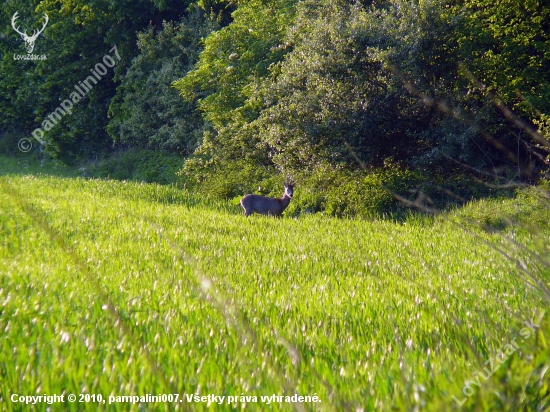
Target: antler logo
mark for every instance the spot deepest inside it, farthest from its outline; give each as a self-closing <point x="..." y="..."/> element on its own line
<point x="29" y="39"/>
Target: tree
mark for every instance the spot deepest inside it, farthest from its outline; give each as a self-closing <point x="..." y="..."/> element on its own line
<point x="79" y="34"/>
<point x="506" y="45"/>
<point x="231" y="68"/>
<point x="334" y="97"/>
<point x="146" y="111"/>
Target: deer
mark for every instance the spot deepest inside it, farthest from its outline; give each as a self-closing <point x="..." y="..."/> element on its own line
<point x="267" y="205"/>
<point x="29" y="39"/>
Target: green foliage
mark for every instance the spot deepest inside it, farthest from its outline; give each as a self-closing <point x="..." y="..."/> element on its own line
<point x="343" y="193"/>
<point x="283" y="87"/>
<point x="235" y="58"/>
<point x="334" y="97"/>
<point x="9" y="143"/>
<point x="218" y="10"/>
<point x="228" y="181"/>
<point x="507" y="46"/>
<point x="134" y="165"/>
<point x="333" y="101"/>
<point x="234" y="62"/>
<point x="339" y="192"/>
<point x="504" y="49"/>
<point x="147" y="112"/>
<point x="525" y="207"/>
<point x="392" y="193"/>
<point x="378" y="84"/>
<point x="79" y="34"/>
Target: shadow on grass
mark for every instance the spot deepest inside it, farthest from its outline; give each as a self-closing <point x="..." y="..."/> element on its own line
<point x="29" y="164"/>
<point x="133" y="165"/>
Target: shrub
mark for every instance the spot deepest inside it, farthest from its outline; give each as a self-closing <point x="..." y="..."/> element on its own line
<point x="147" y="112"/>
<point x="344" y="193"/>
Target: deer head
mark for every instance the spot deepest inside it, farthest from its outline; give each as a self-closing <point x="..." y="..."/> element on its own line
<point x="289" y="187"/>
<point x="29" y="40"/>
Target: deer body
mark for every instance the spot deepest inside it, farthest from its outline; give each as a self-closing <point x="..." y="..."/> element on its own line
<point x="267" y="205"/>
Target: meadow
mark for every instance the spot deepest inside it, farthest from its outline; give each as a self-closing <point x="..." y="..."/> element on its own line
<point x="116" y="288"/>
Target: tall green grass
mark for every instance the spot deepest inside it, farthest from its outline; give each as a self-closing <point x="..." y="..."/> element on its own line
<point x="120" y="288"/>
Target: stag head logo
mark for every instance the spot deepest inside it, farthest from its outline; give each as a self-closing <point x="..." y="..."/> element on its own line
<point x="29" y="40"/>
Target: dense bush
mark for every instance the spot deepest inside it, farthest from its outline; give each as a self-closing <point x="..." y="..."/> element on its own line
<point x="340" y="192"/>
<point x="350" y="85"/>
<point x="147" y="112"/>
<point x="392" y="192"/>
<point x="79" y="34"/>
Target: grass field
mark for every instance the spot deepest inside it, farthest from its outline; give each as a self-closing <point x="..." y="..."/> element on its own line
<point x="112" y="288"/>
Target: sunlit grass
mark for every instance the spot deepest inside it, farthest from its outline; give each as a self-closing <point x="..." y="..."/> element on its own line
<point x="130" y="289"/>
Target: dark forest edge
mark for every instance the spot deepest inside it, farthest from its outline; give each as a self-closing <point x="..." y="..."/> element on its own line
<point x="439" y="102"/>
